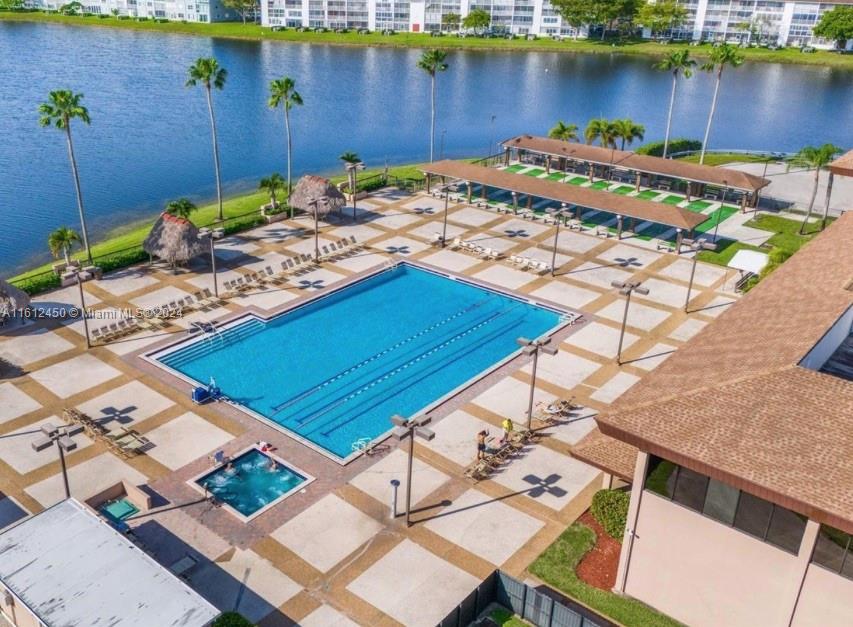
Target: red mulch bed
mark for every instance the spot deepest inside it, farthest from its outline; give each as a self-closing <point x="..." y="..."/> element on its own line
<point x="598" y="567"/>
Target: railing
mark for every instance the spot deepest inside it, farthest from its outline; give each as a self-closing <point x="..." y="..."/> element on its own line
<point x="540" y="609"/>
<point x="770" y="155"/>
<point x="492" y="160"/>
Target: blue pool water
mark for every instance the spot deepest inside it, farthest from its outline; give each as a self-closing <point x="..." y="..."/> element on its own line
<point x="335" y="370"/>
<point x="254" y="482"/>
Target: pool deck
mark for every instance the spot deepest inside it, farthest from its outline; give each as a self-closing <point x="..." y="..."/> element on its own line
<point x="332" y="554"/>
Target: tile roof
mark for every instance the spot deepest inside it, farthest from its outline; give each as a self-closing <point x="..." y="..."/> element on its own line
<point x="726" y="177"/>
<point x="735" y="404"/>
<point x="843" y="166"/>
<point x="606" y="453"/>
<point x="658" y="212"/>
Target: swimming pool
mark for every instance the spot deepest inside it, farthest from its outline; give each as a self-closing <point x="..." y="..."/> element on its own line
<point x="334" y="370"/>
<point x="252" y="482"/>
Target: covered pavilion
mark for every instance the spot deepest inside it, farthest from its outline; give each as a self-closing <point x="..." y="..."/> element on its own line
<point x="692" y="179"/>
<point x="578" y="198"/>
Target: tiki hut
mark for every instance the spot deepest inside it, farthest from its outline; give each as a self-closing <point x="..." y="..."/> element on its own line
<point x="310" y="187"/>
<point x="173" y="239"/>
<point x="12" y="299"/>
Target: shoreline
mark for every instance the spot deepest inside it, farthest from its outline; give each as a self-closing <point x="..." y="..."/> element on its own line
<point x="254" y="32"/>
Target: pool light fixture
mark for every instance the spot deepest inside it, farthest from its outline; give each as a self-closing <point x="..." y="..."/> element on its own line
<point x="403" y="429"/>
<point x="532" y="348"/>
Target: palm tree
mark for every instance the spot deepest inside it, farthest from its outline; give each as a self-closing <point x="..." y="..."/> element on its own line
<point x="206" y="71"/>
<point x="62" y="240"/>
<point x="181" y="208"/>
<point x="61" y="107"/>
<point x="566" y="132"/>
<point x="283" y="92"/>
<point x="432" y="62"/>
<point x="627" y="131"/>
<point x="679" y="63"/>
<point x="816" y="157"/>
<point x="350" y="157"/>
<point x="271" y="183"/>
<point x="601" y="129"/>
<point x="721" y="56"/>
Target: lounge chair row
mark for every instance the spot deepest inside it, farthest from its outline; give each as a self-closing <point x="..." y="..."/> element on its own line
<point x="127" y="443"/>
<point x="482" y="468"/>
<point x="526" y="263"/>
<point x="484" y="252"/>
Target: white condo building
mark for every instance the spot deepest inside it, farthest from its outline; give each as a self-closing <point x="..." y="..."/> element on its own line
<point x="176" y="10"/>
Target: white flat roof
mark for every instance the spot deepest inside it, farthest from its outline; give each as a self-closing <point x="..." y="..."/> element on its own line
<point x="72" y="569"/>
<point x="748" y="261"/>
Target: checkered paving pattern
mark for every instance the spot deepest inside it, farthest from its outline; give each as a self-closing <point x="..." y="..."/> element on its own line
<point x="333" y="552"/>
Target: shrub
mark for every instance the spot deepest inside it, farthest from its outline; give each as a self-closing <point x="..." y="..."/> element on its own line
<point x="232" y="619"/>
<point x="610" y="509"/>
<point x="680" y="144"/>
<point x="121" y="259"/>
<point x="38" y="283"/>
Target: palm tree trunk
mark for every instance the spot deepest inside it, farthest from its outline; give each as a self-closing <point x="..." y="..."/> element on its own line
<point x="828" y="198"/>
<point x="67" y="257"/>
<point x="78" y="191"/>
<point x="215" y="152"/>
<point x="432" y="122"/>
<point x="812" y="201"/>
<point x="711" y="115"/>
<point x="289" y="148"/>
<point x="669" y="115"/>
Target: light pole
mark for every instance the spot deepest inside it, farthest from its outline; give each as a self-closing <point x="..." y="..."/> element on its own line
<point x="444" y="226"/>
<point x="720" y="213"/>
<point x="83" y="310"/>
<point x="64" y="444"/>
<point x="532" y="347"/>
<point x="409" y="429"/>
<point x="558" y="215"/>
<point x="491" y="136"/>
<point x="315" y="202"/>
<point x="626" y="288"/>
<point x="210" y="235"/>
<point x="352" y="170"/>
<point x="696" y="246"/>
<point x="441" y="149"/>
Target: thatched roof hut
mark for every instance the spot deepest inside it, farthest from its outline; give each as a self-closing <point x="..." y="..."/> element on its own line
<point x="12" y="299"/>
<point x="173" y="239"/>
<point x="310" y="187"/>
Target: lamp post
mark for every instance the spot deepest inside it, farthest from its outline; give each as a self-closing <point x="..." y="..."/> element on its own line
<point x="720" y="213"/>
<point x="558" y="215"/>
<point x="64" y="444"/>
<point x="696" y="246"/>
<point x="315" y="202"/>
<point x="83" y="309"/>
<point x="491" y="136"/>
<point x="352" y="170"/>
<point x="626" y="288"/>
<point x="409" y="429"/>
<point x="210" y="235"/>
<point x="532" y="347"/>
<point x="441" y="149"/>
<point x="446" y="203"/>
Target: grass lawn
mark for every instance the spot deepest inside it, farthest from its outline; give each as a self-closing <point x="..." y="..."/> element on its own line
<point x="698" y="206"/>
<point x="623" y="190"/>
<point x="578" y="180"/>
<point x="556" y="176"/>
<point x="556" y="567"/>
<point x="722" y="158"/>
<point x="518" y="167"/>
<point x="601" y="185"/>
<point x="237" y="30"/>
<point x="534" y="172"/>
<point x="648" y="194"/>
<point x="672" y="200"/>
<point x="505" y="618"/>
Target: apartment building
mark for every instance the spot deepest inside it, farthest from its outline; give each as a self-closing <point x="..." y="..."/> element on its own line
<point x="741" y="511"/>
<point x="203" y="11"/>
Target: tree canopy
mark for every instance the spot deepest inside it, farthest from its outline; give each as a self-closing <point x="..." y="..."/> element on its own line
<point x="245" y="8"/>
<point x="661" y="15"/>
<point x="604" y="13"/>
<point x="477" y="19"/>
<point x="836" y="24"/>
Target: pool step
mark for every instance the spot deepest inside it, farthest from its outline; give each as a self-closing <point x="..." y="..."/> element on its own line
<point x="215" y="342"/>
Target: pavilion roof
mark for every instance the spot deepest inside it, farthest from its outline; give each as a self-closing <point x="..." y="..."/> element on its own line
<point x="626" y="160"/>
<point x="843" y="166"/>
<point x="626" y="206"/>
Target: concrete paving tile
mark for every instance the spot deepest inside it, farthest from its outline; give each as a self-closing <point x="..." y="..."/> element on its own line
<point x="565" y="294"/>
<point x="327" y="532"/>
<point x="427" y="231"/>
<point x="135" y="342"/>
<point x="64" y="298"/>
<point x="185" y="439"/>
<point x="688" y="329"/>
<point x="715" y="307"/>
<point x="614" y="388"/>
<point x="485" y="526"/>
<point x="159" y="297"/>
<point x="563" y="369"/>
<point x="33" y="346"/>
<point x="395" y="219"/>
<point x="706" y="274"/>
<point x="268" y="299"/>
<point x="326" y="616"/>
<point x="127" y="280"/>
<point x="416" y="597"/>
<point x="546" y="256"/>
<point x="654" y="357"/>
<point x="509" y="397"/>
<point x="572" y="429"/>
<point x="576" y="243"/>
<point x="450" y="260"/>
<point x="516" y="229"/>
<point x="306" y="246"/>
<point x="317" y="279"/>
<point x="361" y="262"/>
<point x="205" y="280"/>
<point x="639" y="316"/>
<point x="361" y="232"/>
<point x="126" y="405"/>
<point x="455" y="436"/>
<point x="375" y="480"/>
<point x="601" y="339"/>
<point x="74" y="375"/>
<point x="425" y="204"/>
<point x="500" y="244"/>
<point x="504" y="276"/>
<point x="403" y="246"/>
<point x="664" y="292"/>
<point x="86" y="479"/>
<point x="15" y="402"/>
<point x="598" y="275"/>
<point x="17" y="451"/>
<point x="470" y="216"/>
<point x="632" y="256"/>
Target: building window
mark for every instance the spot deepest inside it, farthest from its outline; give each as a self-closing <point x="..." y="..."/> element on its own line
<point x="834" y="550"/>
<point x="753" y="515"/>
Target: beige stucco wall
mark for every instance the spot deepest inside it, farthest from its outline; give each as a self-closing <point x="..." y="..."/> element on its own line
<point x="16" y="612"/>
<point x="826" y="600"/>
<point x="704" y="573"/>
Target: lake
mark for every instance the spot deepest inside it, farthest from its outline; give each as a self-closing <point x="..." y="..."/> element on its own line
<point x="150" y="141"/>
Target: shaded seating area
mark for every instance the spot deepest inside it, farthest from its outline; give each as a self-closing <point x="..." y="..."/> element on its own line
<point x="691" y="179"/>
<point x="624" y="211"/>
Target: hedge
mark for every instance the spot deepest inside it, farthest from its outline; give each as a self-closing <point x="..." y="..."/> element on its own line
<point x="39" y="283"/>
<point x="680" y="144"/>
<point x="610" y="509"/>
<point x="232" y="619"/>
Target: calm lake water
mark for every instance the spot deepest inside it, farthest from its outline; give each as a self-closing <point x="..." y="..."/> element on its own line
<point x="149" y="140"/>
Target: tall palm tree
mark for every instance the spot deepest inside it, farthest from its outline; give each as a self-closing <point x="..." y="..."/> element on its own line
<point x="680" y="64"/>
<point x="181" y="208"/>
<point x="432" y="62"/>
<point x="350" y="157"/>
<point x="566" y="132"/>
<point x="283" y="93"/>
<point x="62" y="240"/>
<point x="721" y="57"/>
<point x="206" y="72"/>
<point x="271" y="183"/>
<point x="61" y="107"/>
<point x="627" y="131"/>
<point x="601" y="129"/>
<point x="817" y="157"/>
